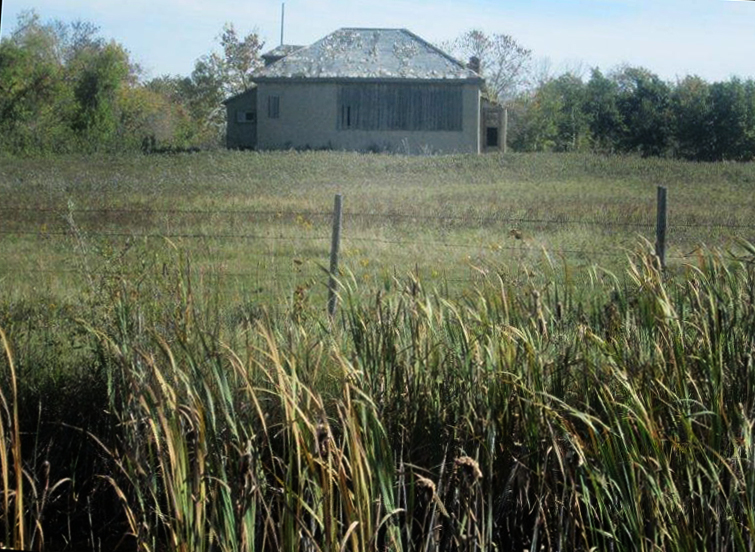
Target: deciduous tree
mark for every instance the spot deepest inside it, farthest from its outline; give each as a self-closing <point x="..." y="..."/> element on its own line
<point x="104" y="72"/>
<point x="732" y="120"/>
<point x="644" y="104"/>
<point x="601" y="110"/>
<point x="35" y="102"/>
<point x="218" y="76"/>
<point x="503" y="61"/>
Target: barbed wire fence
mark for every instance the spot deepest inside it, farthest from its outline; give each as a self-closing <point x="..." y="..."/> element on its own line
<point x="124" y="223"/>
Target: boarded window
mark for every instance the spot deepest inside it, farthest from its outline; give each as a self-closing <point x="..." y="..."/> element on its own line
<point x="273" y="107"/>
<point x="399" y="107"/>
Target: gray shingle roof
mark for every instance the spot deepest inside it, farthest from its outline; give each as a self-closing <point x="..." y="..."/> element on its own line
<point x="368" y="54"/>
<point x="282" y="50"/>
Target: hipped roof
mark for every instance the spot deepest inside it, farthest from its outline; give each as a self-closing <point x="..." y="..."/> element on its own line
<point x="352" y="53"/>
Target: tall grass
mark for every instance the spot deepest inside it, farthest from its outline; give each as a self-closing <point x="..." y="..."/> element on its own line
<point x="244" y="454"/>
<point x="25" y="494"/>
<point x="11" y="467"/>
<point x="530" y="413"/>
<point x="533" y="411"/>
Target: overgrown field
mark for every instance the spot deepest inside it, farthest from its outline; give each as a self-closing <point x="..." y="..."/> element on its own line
<point x="508" y="368"/>
<point x="264" y="220"/>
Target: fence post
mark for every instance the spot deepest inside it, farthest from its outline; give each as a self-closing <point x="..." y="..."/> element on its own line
<point x="660" y="227"/>
<point x="334" y="246"/>
<point x="505" y="140"/>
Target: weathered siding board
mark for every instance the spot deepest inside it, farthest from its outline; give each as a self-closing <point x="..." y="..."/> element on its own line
<point x="410" y="107"/>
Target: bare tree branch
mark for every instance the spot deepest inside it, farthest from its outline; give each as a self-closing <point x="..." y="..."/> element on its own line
<point x="503" y="62"/>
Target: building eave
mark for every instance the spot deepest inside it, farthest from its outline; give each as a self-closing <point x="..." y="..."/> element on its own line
<point x="371" y="80"/>
<point x="240" y="94"/>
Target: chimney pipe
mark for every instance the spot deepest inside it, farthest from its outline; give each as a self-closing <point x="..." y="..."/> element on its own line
<point x="474" y="64"/>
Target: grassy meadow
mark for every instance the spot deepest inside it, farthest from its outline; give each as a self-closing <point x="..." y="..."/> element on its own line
<point x="508" y="368"/>
<point x="263" y="221"/>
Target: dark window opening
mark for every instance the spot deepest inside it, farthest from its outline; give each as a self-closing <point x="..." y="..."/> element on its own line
<point x="246" y="116"/>
<point x="273" y="107"/>
<point x="491" y="140"/>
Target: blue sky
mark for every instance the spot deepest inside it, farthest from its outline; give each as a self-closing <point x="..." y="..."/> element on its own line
<point x="711" y="38"/>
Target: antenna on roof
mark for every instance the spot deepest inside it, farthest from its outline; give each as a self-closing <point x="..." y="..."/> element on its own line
<point x="283" y="18"/>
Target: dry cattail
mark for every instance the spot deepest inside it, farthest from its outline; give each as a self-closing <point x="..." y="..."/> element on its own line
<point x="425" y="489"/>
<point x="426" y="495"/>
<point x="468" y="470"/>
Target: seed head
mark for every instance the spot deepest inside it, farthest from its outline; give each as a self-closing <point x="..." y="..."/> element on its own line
<point x="467" y="469"/>
<point x="426" y="487"/>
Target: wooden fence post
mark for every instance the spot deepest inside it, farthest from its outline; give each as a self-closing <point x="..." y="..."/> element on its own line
<point x="334" y="246"/>
<point x="505" y="140"/>
<point x="660" y="227"/>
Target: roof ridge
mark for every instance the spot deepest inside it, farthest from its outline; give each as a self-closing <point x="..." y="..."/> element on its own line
<point x="436" y="49"/>
<point x="369" y="29"/>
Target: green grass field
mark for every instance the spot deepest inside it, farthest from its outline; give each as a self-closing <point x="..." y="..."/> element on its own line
<point x="508" y="368"/>
<point x="264" y="220"/>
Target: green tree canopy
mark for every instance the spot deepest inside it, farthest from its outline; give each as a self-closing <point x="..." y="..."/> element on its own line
<point x="65" y="88"/>
<point x="59" y="85"/>
<point x="732" y="120"/>
<point x="601" y="109"/>
<point x="644" y="104"/>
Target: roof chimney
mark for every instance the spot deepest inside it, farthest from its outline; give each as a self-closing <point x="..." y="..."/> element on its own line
<point x="474" y="64"/>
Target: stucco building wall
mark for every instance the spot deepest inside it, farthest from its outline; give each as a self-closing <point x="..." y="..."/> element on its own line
<point x="241" y="133"/>
<point x="307" y="118"/>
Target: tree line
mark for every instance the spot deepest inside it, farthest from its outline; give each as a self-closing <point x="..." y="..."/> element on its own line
<point x="632" y="110"/>
<point x="629" y="110"/>
<point x="64" y="88"/>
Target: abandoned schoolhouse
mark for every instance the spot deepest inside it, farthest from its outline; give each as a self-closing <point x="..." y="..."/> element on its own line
<point x="365" y="90"/>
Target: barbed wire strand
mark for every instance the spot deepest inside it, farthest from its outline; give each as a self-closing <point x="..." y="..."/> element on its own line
<point x="387" y="216"/>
